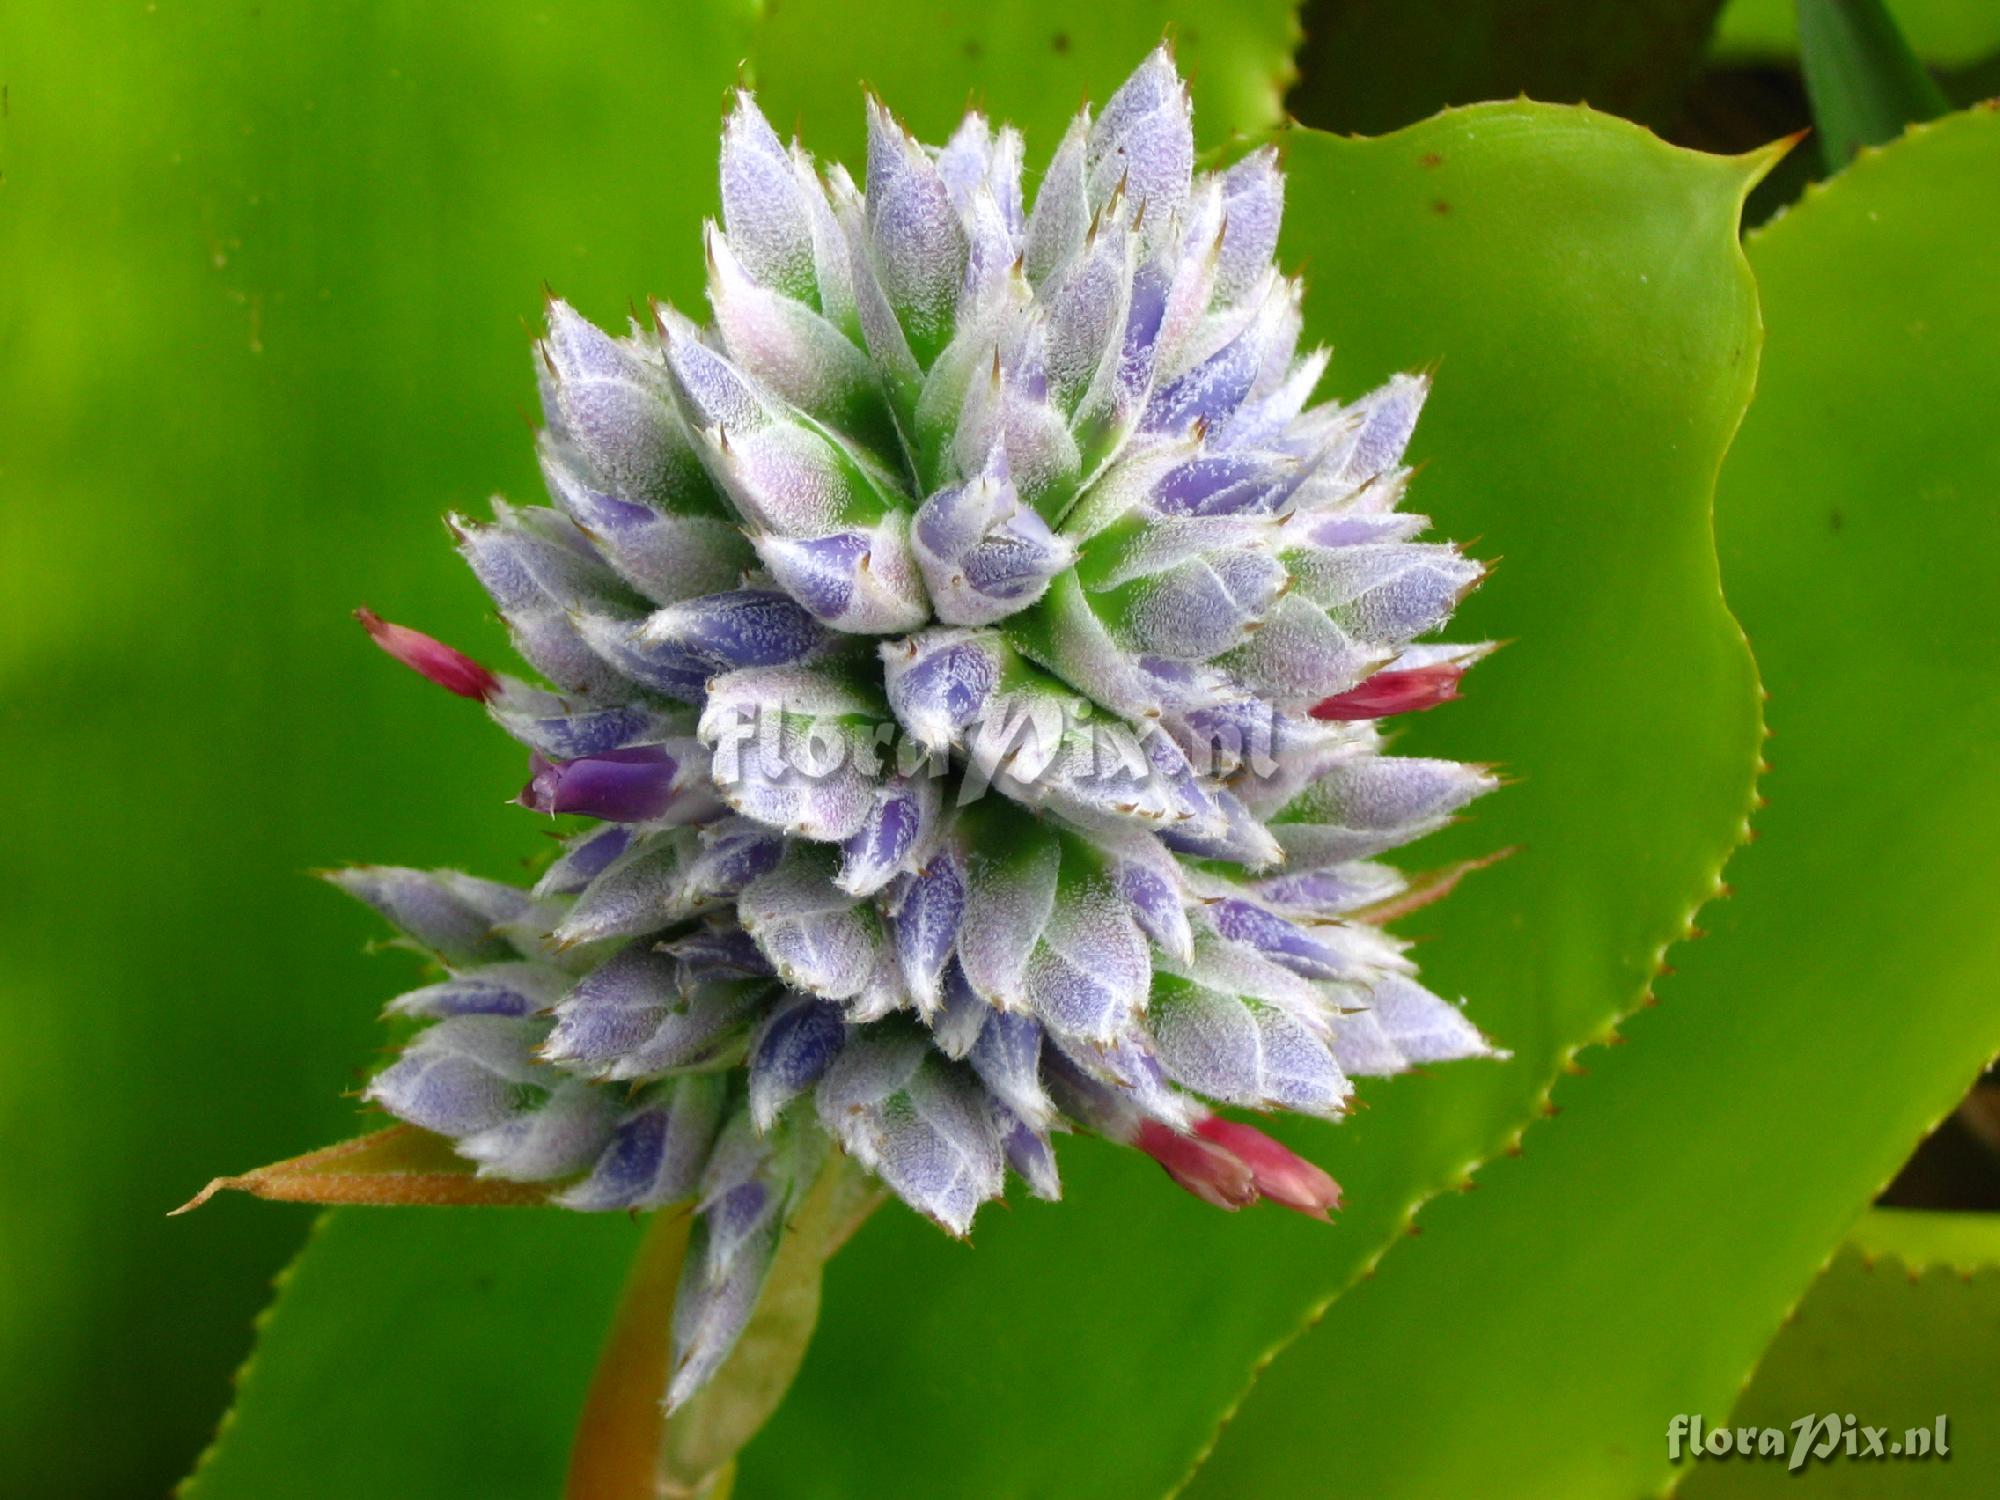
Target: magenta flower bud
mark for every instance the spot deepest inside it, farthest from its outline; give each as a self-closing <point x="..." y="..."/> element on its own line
<point x="1281" y="1175"/>
<point x="450" y="669"/>
<point x="1387" y="693"/>
<point x="621" y="786"/>
<point x="1210" y="1172"/>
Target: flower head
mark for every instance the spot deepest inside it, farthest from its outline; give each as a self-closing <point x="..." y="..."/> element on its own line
<point x="967" y="649"/>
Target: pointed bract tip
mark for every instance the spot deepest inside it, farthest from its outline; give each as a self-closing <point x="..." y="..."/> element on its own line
<point x="215" y="1186"/>
<point x="1759" y="161"/>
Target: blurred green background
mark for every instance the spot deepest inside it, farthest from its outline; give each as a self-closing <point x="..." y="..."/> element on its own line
<point x="264" y="267"/>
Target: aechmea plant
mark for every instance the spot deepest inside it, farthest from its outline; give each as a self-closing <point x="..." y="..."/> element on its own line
<point x="965" y="653"/>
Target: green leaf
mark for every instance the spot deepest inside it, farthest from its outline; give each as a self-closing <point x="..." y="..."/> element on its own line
<point x="1945" y="32"/>
<point x="266" y="272"/>
<point x="1631" y="1265"/>
<point x="1580" y="288"/>
<point x="1900" y="1340"/>
<point x="1373" y="67"/>
<point x="423" y="1352"/>
<point x="1031" y="62"/>
<point x="1923" y="1240"/>
<point x="1864" y="82"/>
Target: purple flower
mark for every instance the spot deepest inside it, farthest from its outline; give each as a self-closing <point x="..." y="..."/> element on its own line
<point x="620" y="786"/>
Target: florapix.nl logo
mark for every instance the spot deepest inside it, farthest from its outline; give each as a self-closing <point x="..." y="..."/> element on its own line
<point x="1821" y="1437"/>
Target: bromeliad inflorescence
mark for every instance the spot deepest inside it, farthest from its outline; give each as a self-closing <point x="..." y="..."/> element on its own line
<point x="968" y="649"/>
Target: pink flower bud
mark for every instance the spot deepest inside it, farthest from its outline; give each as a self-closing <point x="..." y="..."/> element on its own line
<point x="450" y="669"/>
<point x="1280" y="1174"/>
<point x="1388" y="693"/>
<point x="1211" y="1173"/>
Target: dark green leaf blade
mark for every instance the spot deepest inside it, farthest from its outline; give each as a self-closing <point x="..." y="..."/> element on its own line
<point x="1864" y="82"/>
<point x="1371" y="67"/>
<point x="1943" y="32"/>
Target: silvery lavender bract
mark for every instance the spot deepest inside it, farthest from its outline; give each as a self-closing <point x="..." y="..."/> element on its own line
<point x="967" y="650"/>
